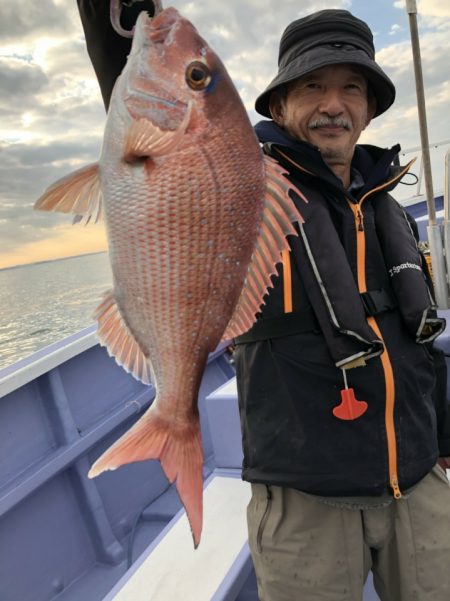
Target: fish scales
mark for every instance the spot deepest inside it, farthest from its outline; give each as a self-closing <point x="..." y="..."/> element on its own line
<point x="181" y="183"/>
<point x="184" y="280"/>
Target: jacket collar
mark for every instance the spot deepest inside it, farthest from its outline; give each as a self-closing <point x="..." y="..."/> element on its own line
<point x="372" y="162"/>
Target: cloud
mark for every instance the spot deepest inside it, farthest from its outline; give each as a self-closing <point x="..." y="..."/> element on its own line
<point x="431" y="14"/>
<point x="401" y="122"/>
<point x="20" y="82"/>
<point x="56" y="121"/>
<point x="52" y="117"/>
<point x="31" y="18"/>
<point x="428" y="8"/>
<point x="249" y="48"/>
<point x="395" y="29"/>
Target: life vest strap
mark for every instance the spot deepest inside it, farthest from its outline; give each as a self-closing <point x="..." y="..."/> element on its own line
<point x="378" y="301"/>
<point x="286" y="324"/>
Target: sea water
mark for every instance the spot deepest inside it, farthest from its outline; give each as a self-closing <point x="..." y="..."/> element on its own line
<point x="44" y="302"/>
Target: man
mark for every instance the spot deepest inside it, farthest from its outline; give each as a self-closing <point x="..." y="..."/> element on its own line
<point x="342" y="481"/>
<point x="336" y="378"/>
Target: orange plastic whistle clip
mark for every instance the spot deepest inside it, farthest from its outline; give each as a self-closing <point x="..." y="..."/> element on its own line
<point x="350" y="407"/>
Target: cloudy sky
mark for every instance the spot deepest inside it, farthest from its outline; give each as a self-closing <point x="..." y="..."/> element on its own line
<point x="52" y="117"/>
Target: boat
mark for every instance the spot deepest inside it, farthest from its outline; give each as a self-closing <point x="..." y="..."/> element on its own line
<point x="124" y="535"/>
<point x="67" y="538"/>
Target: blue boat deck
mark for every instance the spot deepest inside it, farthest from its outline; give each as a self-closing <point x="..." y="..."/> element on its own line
<point x="59" y="409"/>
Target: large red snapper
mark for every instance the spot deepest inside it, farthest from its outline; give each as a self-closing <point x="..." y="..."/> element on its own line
<point x="196" y="218"/>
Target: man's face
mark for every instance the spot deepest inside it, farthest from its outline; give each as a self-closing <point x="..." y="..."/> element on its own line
<point x="328" y="108"/>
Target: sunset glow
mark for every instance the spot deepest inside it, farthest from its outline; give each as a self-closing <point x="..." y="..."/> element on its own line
<point x="63" y="241"/>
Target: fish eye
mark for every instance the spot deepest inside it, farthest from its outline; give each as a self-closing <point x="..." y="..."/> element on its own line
<point x="198" y="76"/>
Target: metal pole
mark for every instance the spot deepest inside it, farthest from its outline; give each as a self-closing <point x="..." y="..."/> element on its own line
<point x="411" y="9"/>
<point x="446" y="224"/>
<point x="447" y="187"/>
<point x="434" y="230"/>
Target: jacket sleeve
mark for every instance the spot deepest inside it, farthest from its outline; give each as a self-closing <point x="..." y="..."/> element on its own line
<point x="107" y="50"/>
<point x="441" y="400"/>
<point x="441" y="394"/>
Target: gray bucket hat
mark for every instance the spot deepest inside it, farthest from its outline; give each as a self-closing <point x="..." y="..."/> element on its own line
<point x="328" y="37"/>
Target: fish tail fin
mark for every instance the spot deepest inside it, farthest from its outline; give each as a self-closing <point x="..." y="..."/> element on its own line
<point x="180" y="452"/>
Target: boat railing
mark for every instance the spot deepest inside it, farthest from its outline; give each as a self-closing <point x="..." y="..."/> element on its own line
<point x="35" y="365"/>
<point x="443" y="290"/>
<point x="447" y="186"/>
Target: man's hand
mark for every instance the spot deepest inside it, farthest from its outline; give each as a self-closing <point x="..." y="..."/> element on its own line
<point x="444" y="462"/>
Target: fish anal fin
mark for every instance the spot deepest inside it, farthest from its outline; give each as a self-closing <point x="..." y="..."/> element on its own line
<point x="278" y="216"/>
<point x="179" y="450"/>
<point x="120" y="343"/>
<point x="145" y="139"/>
<point x="78" y="193"/>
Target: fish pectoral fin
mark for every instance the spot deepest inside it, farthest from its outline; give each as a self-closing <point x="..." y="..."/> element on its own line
<point x="113" y="333"/>
<point x="179" y="450"/>
<point x="145" y="139"/>
<point x="279" y="214"/>
<point x="79" y="193"/>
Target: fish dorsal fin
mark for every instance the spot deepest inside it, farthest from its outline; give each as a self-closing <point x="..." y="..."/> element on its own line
<point x="120" y="343"/>
<point x="145" y="139"/>
<point x="79" y="193"/>
<point x="278" y="216"/>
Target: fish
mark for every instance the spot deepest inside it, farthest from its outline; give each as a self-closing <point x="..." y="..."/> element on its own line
<point x="196" y="219"/>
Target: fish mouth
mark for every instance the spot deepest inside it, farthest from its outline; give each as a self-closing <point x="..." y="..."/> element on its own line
<point x="166" y="102"/>
<point x="155" y="105"/>
<point x="144" y="91"/>
<point x="147" y="96"/>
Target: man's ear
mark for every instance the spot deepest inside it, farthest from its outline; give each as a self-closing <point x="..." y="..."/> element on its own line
<point x="276" y="107"/>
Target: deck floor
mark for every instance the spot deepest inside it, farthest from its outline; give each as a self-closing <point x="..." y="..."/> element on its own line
<point x="172" y="569"/>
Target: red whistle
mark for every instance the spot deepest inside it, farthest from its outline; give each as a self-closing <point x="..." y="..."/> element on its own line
<point x="350" y="407"/>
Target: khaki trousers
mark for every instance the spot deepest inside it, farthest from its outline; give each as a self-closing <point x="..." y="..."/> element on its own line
<point x="305" y="550"/>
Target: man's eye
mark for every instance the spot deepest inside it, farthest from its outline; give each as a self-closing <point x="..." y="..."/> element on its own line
<point x="353" y="86"/>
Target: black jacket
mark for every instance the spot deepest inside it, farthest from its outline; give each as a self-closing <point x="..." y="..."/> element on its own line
<point x="289" y="383"/>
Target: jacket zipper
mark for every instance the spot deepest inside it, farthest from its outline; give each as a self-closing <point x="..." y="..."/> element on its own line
<point x="385" y="360"/>
<point x="264" y="519"/>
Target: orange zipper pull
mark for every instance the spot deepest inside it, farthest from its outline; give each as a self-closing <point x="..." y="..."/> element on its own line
<point x="360" y="221"/>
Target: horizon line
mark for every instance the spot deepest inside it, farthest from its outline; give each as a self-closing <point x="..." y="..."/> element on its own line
<point x="18" y="265"/>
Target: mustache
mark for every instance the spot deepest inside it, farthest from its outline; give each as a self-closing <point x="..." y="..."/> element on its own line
<point x="324" y="121"/>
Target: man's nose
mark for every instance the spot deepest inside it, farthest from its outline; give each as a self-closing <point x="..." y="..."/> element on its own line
<point x="331" y="103"/>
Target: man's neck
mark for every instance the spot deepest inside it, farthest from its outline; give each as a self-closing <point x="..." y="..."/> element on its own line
<point x="342" y="172"/>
